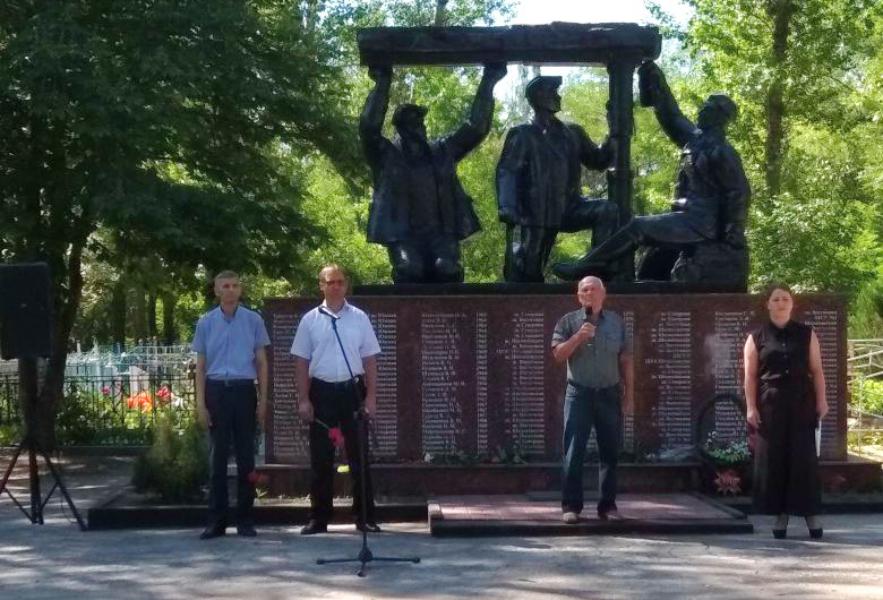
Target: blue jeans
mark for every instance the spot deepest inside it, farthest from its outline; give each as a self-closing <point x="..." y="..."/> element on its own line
<point x="584" y="408"/>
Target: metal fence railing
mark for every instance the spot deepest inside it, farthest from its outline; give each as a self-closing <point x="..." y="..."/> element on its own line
<point x="109" y="410"/>
<point x="865" y="416"/>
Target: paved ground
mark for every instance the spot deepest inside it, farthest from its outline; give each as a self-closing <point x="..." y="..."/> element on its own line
<point x="57" y="561"/>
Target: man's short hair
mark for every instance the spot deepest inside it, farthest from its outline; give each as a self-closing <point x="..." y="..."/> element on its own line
<point x="226" y="275"/>
<point x="332" y="267"/>
<point x="600" y="282"/>
<point x="403" y="111"/>
<point x="540" y="83"/>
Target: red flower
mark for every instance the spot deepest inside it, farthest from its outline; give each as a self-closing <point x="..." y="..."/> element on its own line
<point x="142" y="401"/>
<point x="163" y="392"/>
<point x="336" y="437"/>
<point x="256" y="478"/>
<point x="105" y="391"/>
<point x="728" y="482"/>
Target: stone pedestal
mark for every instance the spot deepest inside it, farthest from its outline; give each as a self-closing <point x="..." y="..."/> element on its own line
<point x="467" y="374"/>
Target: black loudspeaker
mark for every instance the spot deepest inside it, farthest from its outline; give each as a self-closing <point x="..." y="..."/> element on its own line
<point x="25" y="311"/>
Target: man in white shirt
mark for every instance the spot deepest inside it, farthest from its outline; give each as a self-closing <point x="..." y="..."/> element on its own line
<point x="326" y="398"/>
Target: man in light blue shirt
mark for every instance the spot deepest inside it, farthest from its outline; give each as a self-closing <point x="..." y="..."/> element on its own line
<point x="230" y="343"/>
<point x="326" y="398"/>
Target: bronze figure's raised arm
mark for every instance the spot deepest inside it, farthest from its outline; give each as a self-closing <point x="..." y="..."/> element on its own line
<point x="709" y="211"/>
<point x="419" y="210"/>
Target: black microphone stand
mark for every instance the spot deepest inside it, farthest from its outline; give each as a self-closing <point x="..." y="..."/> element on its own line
<point x="365" y="555"/>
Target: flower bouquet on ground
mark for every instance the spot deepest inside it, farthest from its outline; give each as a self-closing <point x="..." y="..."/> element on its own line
<point x="729" y="464"/>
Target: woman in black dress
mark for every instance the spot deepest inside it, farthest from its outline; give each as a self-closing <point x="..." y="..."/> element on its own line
<point x="785" y="394"/>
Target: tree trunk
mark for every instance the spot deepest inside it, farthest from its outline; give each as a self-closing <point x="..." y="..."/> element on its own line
<point x="441" y="13"/>
<point x="118" y="315"/>
<point x="781" y="12"/>
<point x="169" y="331"/>
<point x="28" y="394"/>
<point x="151" y="316"/>
<point x="67" y="303"/>
<point x="139" y="317"/>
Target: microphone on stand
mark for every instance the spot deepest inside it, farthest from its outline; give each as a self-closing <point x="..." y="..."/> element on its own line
<point x="334" y="318"/>
<point x="328" y="313"/>
<point x="359" y="412"/>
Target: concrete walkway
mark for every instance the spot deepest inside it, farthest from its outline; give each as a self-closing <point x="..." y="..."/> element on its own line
<point x="56" y="560"/>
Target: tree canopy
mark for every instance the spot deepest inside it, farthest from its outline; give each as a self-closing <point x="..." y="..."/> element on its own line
<point x="147" y="144"/>
<point x="131" y="128"/>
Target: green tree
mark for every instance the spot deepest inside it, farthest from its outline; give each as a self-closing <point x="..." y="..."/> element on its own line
<point x="794" y="69"/>
<point x="161" y="123"/>
<point x="341" y="209"/>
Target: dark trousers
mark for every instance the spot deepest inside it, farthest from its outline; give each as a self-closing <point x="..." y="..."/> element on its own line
<point x="335" y="404"/>
<point x="231" y="408"/>
<point x="670" y="230"/>
<point x="426" y="258"/>
<point x="528" y="247"/>
<point x="584" y="408"/>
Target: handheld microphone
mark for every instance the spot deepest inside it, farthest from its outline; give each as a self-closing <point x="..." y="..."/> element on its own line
<point x="588" y="319"/>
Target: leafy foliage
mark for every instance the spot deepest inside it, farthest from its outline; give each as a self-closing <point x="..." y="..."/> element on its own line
<point x="867" y="395"/>
<point x="146" y="145"/>
<point x="176" y="466"/>
<point x="725" y="453"/>
<point x="799" y="73"/>
<point x="135" y="132"/>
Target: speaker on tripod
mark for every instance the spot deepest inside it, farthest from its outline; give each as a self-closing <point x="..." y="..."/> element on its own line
<point x="26" y="335"/>
<point x="25" y="312"/>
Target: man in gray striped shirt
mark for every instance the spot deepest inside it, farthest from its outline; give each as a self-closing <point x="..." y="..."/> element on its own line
<point x="598" y="353"/>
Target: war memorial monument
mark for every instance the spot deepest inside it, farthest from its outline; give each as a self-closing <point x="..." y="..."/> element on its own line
<point x="467" y="385"/>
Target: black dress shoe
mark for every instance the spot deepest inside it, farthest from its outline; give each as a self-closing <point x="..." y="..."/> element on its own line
<point x="246" y="530"/>
<point x="780" y="534"/>
<point x="814" y="532"/>
<point x="369" y="526"/>
<point x="212" y="531"/>
<point x="314" y="526"/>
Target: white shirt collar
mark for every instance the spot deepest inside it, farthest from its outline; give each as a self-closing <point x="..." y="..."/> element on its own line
<point x="343" y="309"/>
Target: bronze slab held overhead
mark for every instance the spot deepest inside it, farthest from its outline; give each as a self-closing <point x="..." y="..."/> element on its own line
<point x="556" y="43"/>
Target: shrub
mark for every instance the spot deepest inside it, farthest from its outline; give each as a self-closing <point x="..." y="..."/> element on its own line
<point x="75" y="424"/>
<point x="10" y="434"/>
<point x="867" y="396"/>
<point x="176" y="466"/>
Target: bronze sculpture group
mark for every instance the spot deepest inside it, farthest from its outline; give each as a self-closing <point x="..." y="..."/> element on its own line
<point x="421" y="212"/>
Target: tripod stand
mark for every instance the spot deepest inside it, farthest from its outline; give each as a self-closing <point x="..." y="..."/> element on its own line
<point x="28" y="378"/>
<point x="365" y="555"/>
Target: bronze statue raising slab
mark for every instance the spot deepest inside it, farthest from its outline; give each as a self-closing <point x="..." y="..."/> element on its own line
<point x="538" y="184"/>
<point x="420" y="211"/>
<point x="707" y="222"/>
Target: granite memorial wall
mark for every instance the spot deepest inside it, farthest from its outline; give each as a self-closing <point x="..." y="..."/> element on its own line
<point x="473" y="374"/>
